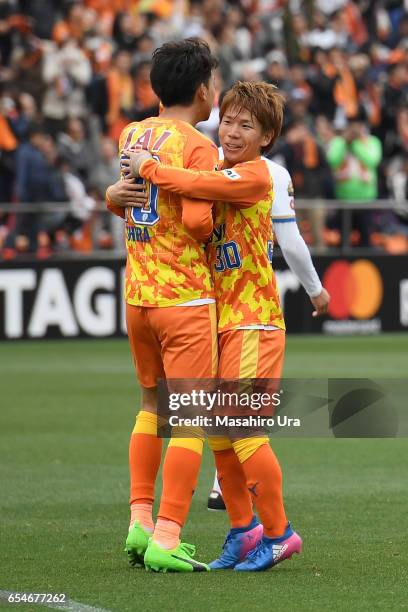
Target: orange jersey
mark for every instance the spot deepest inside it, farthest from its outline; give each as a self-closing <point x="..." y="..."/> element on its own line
<point x="240" y="253"/>
<point x="165" y="240"/>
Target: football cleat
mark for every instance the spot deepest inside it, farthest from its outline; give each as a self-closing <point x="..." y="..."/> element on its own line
<point x="179" y="559"/>
<point x="215" y="501"/>
<point x="136" y="544"/>
<point x="238" y="543"/>
<point x="271" y="551"/>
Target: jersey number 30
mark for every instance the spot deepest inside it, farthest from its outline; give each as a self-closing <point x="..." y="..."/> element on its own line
<point x="227" y="257"/>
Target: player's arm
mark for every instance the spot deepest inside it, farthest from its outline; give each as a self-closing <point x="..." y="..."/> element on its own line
<point x="124" y="193"/>
<point x="197" y="215"/>
<point x="299" y="260"/>
<point x="244" y="183"/>
<point x="114" y="208"/>
<point x="242" y="186"/>
<point x="293" y="247"/>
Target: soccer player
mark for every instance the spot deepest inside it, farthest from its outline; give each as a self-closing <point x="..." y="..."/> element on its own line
<point x="297" y="257"/>
<point x="250" y="321"/>
<point x="170" y="306"/>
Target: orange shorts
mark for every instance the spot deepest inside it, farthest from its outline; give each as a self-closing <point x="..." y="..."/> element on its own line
<point x="251" y="353"/>
<point x="173" y="342"/>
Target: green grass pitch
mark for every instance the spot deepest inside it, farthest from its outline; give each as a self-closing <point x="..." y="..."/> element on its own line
<point x="67" y="409"/>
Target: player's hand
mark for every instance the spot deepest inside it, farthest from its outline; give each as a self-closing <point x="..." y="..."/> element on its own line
<point x="127" y="193"/>
<point x="321" y="303"/>
<point x="131" y="161"/>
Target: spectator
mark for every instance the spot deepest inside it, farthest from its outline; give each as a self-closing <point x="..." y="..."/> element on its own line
<point x="398" y="148"/>
<point x="395" y="93"/>
<point x="26" y="114"/>
<point x="369" y="92"/>
<point x="276" y="71"/>
<point x="297" y="77"/>
<point x="121" y="94"/>
<point x="28" y="68"/>
<point x="79" y="148"/>
<point x="398" y="184"/>
<point x="6" y="31"/>
<point x="345" y="89"/>
<point x="322" y="79"/>
<point x="296" y="31"/>
<point x="62" y="60"/>
<point x="324" y="36"/>
<point x="105" y="173"/>
<point x="298" y="108"/>
<point x="66" y="72"/>
<point x="146" y="102"/>
<point x="242" y="38"/>
<point x="8" y="147"/>
<point x="37" y="180"/>
<point x="72" y="26"/>
<point x="126" y="31"/>
<point x="71" y="225"/>
<point x="307" y="165"/>
<point x="354" y="158"/>
<point x="228" y="54"/>
<point x="144" y="48"/>
<point x="305" y="161"/>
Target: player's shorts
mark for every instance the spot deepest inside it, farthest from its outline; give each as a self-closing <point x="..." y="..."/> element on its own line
<point x="251" y="353"/>
<point x="173" y="342"/>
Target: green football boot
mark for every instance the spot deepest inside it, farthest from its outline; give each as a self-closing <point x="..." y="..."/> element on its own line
<point x="179" y="559"/>
<point x="136" y="544"/>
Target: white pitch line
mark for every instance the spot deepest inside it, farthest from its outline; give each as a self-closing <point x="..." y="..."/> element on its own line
<point x="69" y="605"/>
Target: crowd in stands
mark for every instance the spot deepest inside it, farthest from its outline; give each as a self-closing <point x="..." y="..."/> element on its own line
<point x="74" y="73"/>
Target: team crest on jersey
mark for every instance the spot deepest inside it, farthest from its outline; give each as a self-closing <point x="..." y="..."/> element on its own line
<point x="291" y="191"/>
<point x="231" y="174"/>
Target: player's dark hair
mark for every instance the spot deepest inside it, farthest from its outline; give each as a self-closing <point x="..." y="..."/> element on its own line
<point x="179" y="68"/>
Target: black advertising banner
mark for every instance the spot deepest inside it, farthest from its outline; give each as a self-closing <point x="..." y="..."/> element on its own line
<point x="62" y="299"/>
<point x="83" y="298"/>
<point x="368" y="295"/>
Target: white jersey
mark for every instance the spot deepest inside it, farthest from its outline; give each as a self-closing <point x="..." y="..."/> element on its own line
<point x="283" y="207"/>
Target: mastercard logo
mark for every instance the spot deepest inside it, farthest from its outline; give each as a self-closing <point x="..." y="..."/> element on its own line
<point x="356" y="289"/>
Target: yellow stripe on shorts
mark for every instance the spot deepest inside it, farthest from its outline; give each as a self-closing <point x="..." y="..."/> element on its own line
<point x="249" y="354"/>
<point x="212" y="309"/>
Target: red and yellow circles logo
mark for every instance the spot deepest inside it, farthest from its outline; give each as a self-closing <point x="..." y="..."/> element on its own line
<point x="356" y="289"/>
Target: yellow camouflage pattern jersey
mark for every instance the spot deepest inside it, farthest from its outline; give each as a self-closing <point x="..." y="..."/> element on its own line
<point x="165" y="240"/>
<point x="240" y="252"/>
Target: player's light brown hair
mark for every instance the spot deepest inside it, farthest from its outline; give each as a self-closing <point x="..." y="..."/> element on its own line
<point x="262" y="100"/>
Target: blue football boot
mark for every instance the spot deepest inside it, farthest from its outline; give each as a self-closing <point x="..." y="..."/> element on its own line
<point x="238" y="543"/>
<point x="271" y="551"/>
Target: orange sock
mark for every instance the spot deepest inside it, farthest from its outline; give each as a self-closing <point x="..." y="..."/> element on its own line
<point x="264" y="481"/>
<point x="166" y="533"/>
<point x="145" y="451"/>
<point x="142" y="513"/>
<point x="180" y="474"/>
<point x="232" y="481"/>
